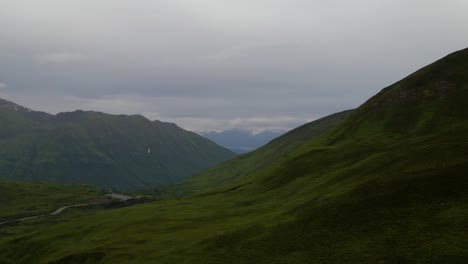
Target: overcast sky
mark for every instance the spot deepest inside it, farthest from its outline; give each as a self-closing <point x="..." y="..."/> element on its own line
<point x="218" y="64"/>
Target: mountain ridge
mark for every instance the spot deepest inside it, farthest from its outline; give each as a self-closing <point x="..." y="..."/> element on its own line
<point x="418" y="102"/>
<point x="109" y="151"/>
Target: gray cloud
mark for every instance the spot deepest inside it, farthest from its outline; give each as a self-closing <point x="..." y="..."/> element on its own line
<point x="211" y="64"/>
<point x="257" y="124"/>
<point x="3" y="91"/>
<point x="61" y="57"/>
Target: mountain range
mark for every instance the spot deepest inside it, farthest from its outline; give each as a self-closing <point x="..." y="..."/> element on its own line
<point x="242" y="141"/>
<point x="384" y="183"/>
<point x="110" y="151"/>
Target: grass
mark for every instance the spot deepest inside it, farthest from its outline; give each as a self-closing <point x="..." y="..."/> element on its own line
<point x="22" y="199"/>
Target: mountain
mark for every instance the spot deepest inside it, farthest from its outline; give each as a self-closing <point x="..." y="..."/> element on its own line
<point x="241" y="141"/>
<point x="388" y="184"/>
<point x="109" y="151"/>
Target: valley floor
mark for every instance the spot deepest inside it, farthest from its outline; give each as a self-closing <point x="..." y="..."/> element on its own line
<point x="60" y="210"/>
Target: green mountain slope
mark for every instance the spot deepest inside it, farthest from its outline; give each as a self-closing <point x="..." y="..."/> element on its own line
<point x="363" y="192"/>
<point x="427" y="101"/>
<point x="121" y="152"/>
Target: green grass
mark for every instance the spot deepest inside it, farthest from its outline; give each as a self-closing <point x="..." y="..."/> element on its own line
<point x="22" y="199"/>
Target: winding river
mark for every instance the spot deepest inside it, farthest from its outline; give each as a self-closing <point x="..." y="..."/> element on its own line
<point x="120" y="197"/>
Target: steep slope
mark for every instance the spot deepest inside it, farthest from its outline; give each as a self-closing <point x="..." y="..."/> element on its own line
<point x="120" y="152"/>
<point x="427" y="101"/>
<point x="346" y="196"/>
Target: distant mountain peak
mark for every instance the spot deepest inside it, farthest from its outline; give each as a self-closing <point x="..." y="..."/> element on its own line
<point x="242" y="140"/>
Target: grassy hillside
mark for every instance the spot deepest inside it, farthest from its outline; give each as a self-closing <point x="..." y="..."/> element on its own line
<point x="22" y="199"/>
<point x="425" y="102"/>
<point x="346" y="196"/>
<point x="114" y="152"/>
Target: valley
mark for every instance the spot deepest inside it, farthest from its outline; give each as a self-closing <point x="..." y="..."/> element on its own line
<point x="384" y="183"/>
<point x="61" y="209"/>
<point x="242" y="141"/>
<point x="57" y="196"/>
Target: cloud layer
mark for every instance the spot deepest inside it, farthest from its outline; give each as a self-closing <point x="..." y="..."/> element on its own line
<point x="211" y="64"/>
<point x="61" y="57"/>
